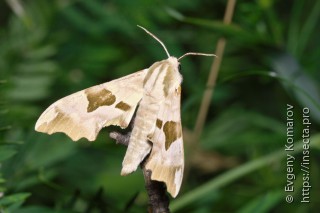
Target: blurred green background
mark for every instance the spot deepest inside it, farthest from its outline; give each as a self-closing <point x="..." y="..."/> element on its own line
<point x="50" y="49"/>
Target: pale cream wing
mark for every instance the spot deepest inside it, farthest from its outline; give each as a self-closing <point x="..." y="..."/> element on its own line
<point x="166" y="160"/>
<point x="84" y="113"/>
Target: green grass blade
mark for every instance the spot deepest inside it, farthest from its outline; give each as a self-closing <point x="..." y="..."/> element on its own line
<point x="293" y="31"/>
<point x="309" y="25"/>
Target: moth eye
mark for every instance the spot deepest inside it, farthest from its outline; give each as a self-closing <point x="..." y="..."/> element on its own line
<point x="179" y="67"/>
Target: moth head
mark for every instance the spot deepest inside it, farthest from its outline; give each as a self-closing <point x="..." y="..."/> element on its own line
<point x="170" y="57"/>
<point x="174" y="62"/>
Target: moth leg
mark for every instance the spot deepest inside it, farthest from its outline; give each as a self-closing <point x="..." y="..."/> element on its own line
<point x="123" y="138"/>
<point x="120" y="138"/>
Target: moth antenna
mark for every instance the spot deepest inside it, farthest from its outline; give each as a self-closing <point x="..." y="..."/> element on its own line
<point x="164" y="47"/>
<point x="192" y="53"/>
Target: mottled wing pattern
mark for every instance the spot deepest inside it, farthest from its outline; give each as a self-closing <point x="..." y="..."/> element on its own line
<point x="84" y="113"/>
<point x="166" y="160"/>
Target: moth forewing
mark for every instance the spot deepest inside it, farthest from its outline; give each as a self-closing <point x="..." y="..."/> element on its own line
<point x="166" y="160"/>
<point x="84" y="113"/>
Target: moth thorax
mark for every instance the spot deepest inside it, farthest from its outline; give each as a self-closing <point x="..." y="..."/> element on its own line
<point x="162" y="79"/>
<point x="172" y="79"/>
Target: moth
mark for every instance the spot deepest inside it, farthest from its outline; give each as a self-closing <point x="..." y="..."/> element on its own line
<point x="157" y="131"/>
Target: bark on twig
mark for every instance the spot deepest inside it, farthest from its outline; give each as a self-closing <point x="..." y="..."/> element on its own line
<point x="158" y="198"/>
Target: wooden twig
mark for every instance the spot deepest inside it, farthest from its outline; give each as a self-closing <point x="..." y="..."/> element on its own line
<point x="158" y="198"/>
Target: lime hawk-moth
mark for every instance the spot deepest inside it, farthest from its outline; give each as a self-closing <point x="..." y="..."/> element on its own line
<point x="157" y="131"/>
